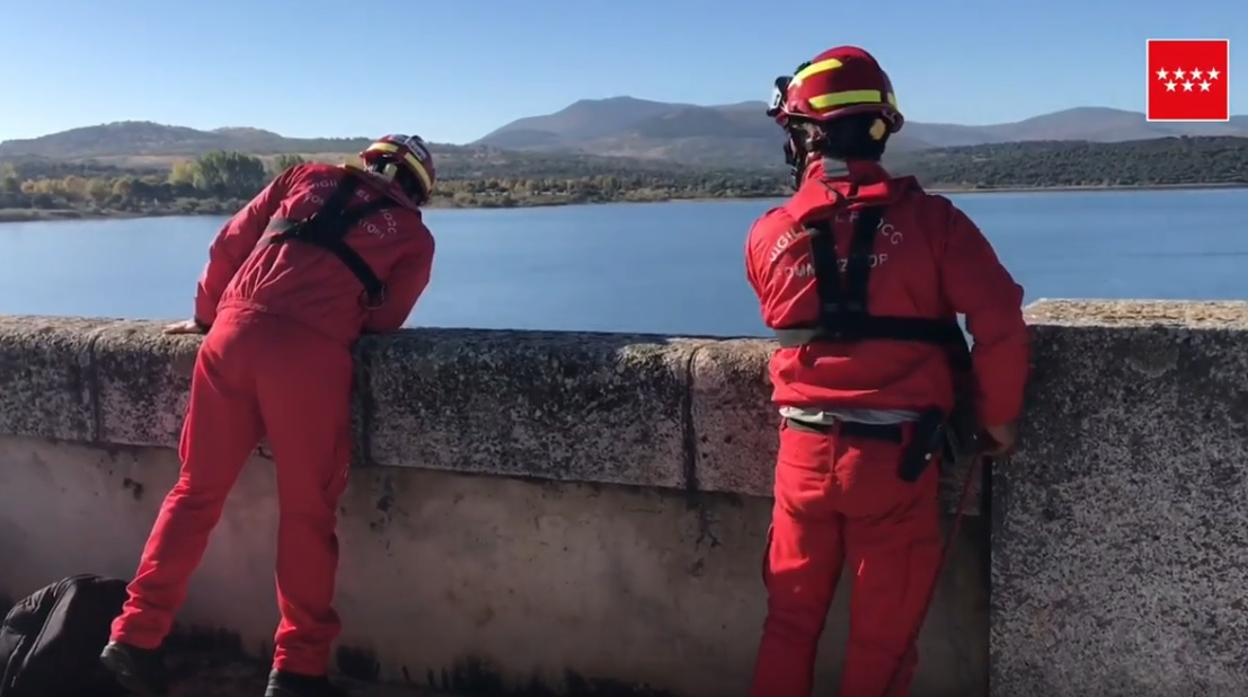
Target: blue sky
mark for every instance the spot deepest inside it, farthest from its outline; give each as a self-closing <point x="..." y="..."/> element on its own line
<point x="452" y="71"/>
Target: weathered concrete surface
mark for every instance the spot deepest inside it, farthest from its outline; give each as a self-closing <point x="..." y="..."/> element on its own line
<point x="143" y="380"/>
<point x="46" y="379"/>
<point x="1121" y="528"/>
<point x="480" y="582"/>
<point x="643" y="411"/>
<point x="568" y="407"/>
<point x="1133" y="313"/>
<point x="732" y="418"/>
<point x="474" y="584"/>
<point x="1117" y="530"/>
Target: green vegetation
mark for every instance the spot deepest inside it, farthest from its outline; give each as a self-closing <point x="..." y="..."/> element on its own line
<point x="216" y="183"/>
<point x="283" y="163"/>
<point x="1158" y="162"/>
<point x="620" y="187"/>
<point x="220" y="182"/>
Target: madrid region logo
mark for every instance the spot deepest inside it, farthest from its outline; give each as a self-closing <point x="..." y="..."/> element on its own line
<point x="1188" y="80"/>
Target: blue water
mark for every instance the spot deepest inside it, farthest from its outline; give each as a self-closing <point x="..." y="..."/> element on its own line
<point x="668" y="268"/>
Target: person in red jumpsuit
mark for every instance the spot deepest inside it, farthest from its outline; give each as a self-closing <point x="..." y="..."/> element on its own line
<point x="321" y="255"/>
<point x="862" y="276"/>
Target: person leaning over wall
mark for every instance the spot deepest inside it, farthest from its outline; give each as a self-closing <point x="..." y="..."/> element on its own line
<point x="861" y="275"/>
<point x="321" y="255"/>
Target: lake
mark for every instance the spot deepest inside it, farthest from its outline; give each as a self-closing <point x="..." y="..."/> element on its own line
<point x="667" y="268"/>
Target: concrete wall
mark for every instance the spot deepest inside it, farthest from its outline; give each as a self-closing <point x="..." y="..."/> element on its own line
<point x="527" y="507"/>
<point x="1120" y="532"/>
<point x="585" y="512"/>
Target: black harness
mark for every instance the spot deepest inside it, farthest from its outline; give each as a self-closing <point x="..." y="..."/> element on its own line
<point x="327" y="228"/>
<point x="843" y="316"/>
<point x="843" y="312"/>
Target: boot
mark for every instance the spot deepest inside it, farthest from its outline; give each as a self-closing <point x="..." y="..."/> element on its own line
<point x="141" y="671"/>
<point x="284" y="684"/>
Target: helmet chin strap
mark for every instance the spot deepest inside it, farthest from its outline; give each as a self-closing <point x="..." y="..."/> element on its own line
<point x="796" y="156"/>
<point x="799" y="155"/>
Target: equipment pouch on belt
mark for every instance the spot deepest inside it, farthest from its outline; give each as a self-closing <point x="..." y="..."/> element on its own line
<point x="961" y="433"/>
<point x="928" y="440"/>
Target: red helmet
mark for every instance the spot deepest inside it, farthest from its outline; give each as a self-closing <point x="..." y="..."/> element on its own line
<point x="838" y="82"/>
<point x="409" y="152"/>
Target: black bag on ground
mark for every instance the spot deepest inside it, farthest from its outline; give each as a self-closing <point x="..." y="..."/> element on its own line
<point x="50" y="641"/>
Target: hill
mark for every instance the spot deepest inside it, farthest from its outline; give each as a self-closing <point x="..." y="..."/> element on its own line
<point x="144" y="138"/>
<point x="742" y="134"/>
<point x="732" y="136"/>
<point x="147" y="146"/>
<point x="1094" y="124"/>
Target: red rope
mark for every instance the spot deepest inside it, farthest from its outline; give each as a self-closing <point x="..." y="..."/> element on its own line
<point x="909" y="655"/>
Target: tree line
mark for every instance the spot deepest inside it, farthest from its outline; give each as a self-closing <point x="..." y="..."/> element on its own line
<point x="1157" y="162"/>
<point x="216" y="182"/>
<point x="221" y="182"/>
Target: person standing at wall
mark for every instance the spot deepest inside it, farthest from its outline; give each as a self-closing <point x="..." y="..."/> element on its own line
<point x="321" y="255"/>
<point x="861" y="275"/>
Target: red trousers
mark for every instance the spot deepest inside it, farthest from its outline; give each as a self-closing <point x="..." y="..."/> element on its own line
<point x="838" y="500"/>
<point x="255" y="375"/>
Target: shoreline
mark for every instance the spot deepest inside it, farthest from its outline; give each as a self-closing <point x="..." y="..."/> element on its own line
<point x="40" y="215"/>
<point x="60" y="215"/>
<point x="1099" y="187"/>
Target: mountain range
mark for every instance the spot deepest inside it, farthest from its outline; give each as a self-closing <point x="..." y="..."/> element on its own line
<point x="743" y="133"/>
<point x="144" y="138"/>
<point x="733" y="135"/>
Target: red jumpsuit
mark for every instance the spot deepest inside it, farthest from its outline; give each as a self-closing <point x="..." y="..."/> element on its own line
<point x="277" y="362"/>
<point x="838" y="498"/>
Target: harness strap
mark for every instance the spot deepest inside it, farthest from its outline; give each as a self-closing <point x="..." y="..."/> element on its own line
<point x="859" y="266"/>
<point x="921" y="329"/>
<point x="328" y="227"/>
<point x="827" y="276"/>
<point x="843" y="313"/>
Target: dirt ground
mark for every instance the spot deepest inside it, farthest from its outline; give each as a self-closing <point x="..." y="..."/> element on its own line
<point x="213" y="672"/>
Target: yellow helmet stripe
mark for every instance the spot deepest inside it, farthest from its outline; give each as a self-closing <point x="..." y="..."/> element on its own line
<point x="410" y="159"/>
<point x="420" y="171"/>
<point x="823" y="101"/>
<point x="822" y="66"/>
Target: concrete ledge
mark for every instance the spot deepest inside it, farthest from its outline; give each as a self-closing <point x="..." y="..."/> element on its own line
<point x="648" y="411"/>
<point x="1117" y="532"/>
<point x="1134" y="313"/>
<point x="1120" y="531"/>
